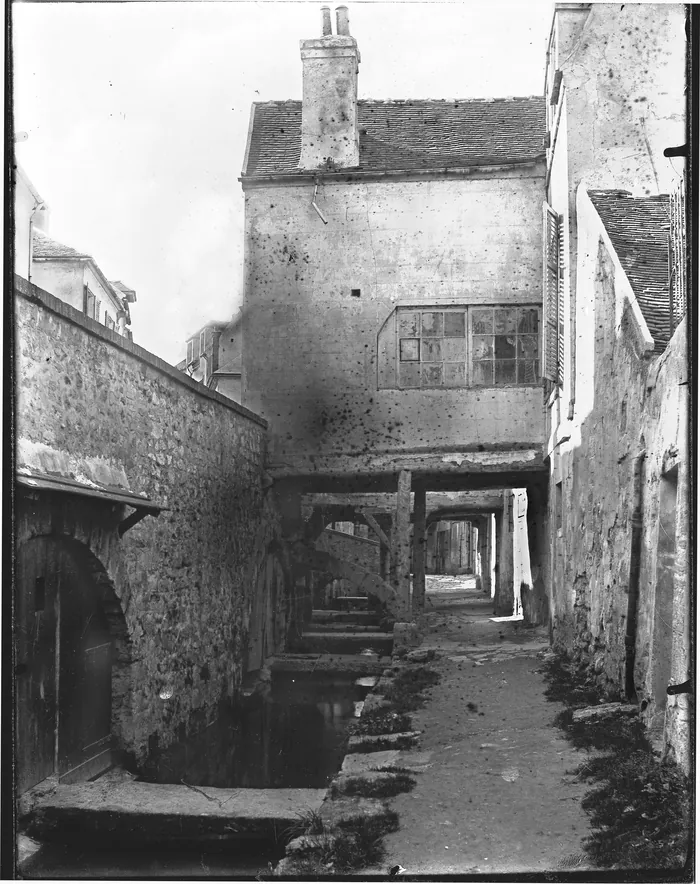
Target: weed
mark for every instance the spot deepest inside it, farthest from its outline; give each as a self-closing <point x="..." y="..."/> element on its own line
<point x="381" y="721"/>
<point x="358" y="847"/>
<point x="640" y="811"/>
<point x="569" y="685"/>
<point x="639" y="807"/>
<point x="608" y="733"/>
<point x="383" y="785"/>
<point x="310" y="822"/>
<point x="404" y="693"/>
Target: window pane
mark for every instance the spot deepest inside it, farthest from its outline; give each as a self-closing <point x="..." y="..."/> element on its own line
<point x="504" y="346"/>
<point x="529" y="320"/>
<point x="455" y="375"/>
<point x="482" y="346"/>
<point x="409" y="374"/>
<point x="431" y="374"/>
<point x="432" y="324"/>
<point x="454" y="349"/>
<point x="504" y="322"/>
<point x="505" y="371"/>
<point x="527" y="346"/>
<point x="409" y="350"/>
<point x="432" y="350"/>
<point x="454" y="324"/>
<point x="408" y="325"/>
<point x="528" y="371"/>
<point x="482" y="321"/>
<point x="482" y="374"/>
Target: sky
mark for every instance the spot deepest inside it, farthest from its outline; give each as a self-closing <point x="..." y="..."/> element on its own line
<point x="137" y="116"/>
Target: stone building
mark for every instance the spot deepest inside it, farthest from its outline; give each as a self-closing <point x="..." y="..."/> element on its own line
<point x="393" y="254"/>
<point x="67" y="273"/>
<point x="213" y="357"/>
<point x="616" y="354"/>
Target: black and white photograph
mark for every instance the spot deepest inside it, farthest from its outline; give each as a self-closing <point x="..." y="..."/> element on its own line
<point x="350" y="493"/>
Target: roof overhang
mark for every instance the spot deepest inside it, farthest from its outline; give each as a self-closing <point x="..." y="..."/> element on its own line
<point x="143" y="506"/>
<point x="343" y="176"/>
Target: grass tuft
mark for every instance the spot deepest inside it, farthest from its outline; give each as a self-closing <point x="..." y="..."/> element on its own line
<point x="387" y="785"/>
<point x="405" y="692"/>
<point x="639" y="807"/>
<point x="380" y="721"/>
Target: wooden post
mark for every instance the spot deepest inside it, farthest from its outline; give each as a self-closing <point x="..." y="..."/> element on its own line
<point x="419" y="549"/>
<point x="402" y="545"/>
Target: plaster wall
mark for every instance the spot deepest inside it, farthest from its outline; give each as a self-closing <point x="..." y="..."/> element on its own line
<point x="313" y="361"/>
<point x="624" y="83"/>
<point x="187" y="580"/>
<point x="629" y="401"/>
<point x="62" y="279"/>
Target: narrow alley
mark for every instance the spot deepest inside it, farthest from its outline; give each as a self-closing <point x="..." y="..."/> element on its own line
<point x="498" y="795"/>
<point x="360" y="543"/>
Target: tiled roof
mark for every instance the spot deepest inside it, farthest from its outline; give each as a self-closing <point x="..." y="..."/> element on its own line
<point x="45" y="247"/>
<point x="639" y="228"/>
<point x="410" y="135"/>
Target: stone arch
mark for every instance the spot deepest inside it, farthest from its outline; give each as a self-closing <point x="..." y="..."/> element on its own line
<point x="90" y="573"/>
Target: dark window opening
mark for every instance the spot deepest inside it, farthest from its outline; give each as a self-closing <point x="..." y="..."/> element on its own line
<point x="355" y="293"/>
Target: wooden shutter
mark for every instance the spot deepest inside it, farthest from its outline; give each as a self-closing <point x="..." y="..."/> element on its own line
<point x="561" y="263"/>
<point x="550" y="295"/>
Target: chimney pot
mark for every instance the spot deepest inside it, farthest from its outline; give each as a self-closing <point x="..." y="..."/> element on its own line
<point x="326" y="30"/>
<point x="342" y="21"/>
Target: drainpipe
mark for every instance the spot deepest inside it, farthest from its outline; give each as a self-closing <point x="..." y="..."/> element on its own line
<point x="635" y="568"/>
<point x="38" y="206"/>
<point x="318" y="211"/>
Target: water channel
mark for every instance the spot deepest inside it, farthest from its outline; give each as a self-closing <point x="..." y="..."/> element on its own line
<point x="292" y="735"/>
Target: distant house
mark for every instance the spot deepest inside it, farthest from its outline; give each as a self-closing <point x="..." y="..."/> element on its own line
<point x="31" y="213"/>
<point x="213" y="357"/>
<point x="74" y="277"/>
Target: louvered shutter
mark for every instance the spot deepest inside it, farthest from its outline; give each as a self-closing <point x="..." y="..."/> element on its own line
<point x="561" y="263"/>
<point x="550" y="295"/>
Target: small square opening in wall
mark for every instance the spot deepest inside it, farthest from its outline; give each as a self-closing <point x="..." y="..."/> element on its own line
<point x="355" y="293"/>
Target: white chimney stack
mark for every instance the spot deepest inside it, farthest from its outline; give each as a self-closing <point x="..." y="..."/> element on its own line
<point x="329" y="132"/>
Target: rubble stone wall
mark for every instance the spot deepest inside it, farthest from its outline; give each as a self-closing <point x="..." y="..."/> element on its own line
<point x="186" y="579"/>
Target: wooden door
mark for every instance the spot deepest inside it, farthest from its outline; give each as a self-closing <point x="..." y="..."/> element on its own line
<point x="63" y="667"/>
<point x="85" y="675"/>
<point x="36" y="604"/>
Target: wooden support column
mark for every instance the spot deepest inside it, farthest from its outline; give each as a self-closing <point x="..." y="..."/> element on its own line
<point x="419" y="549"/>
<point x="402" y="545"/>
<point x="384" y="522"/>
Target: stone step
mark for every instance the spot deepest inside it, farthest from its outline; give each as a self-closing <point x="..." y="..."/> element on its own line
<point x="380" y="742"/>
<point x="320" y="615"/>
<point x="141" y="813"/>
<point x="347" y="627"/>
<point x="347" y="642"/>
<point x="347" y="664"/>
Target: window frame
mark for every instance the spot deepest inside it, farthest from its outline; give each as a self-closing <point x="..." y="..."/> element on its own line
<point x="467" y="310"/>
<point x="189" y="357"/>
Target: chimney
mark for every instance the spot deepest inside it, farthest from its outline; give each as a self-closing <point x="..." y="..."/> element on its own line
<point x="326" y="21"/>
<point x="329" y="132"/>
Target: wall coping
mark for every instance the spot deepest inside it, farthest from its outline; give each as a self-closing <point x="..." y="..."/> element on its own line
<point x="34" y="294"/>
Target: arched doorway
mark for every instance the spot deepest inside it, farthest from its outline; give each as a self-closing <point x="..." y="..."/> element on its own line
<point x="64" y="652"/>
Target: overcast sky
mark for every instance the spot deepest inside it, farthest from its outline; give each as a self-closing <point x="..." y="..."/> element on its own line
<point x="137" y="115"/>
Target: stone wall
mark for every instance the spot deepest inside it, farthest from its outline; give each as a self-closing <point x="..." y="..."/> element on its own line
<point x="321" y="297"/>
<point x="359" y="550"/>
<point x="185" y="580"/>
<point x="629" y="403"/>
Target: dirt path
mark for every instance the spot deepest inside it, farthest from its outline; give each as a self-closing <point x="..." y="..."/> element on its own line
<point x="496" y="796"/>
